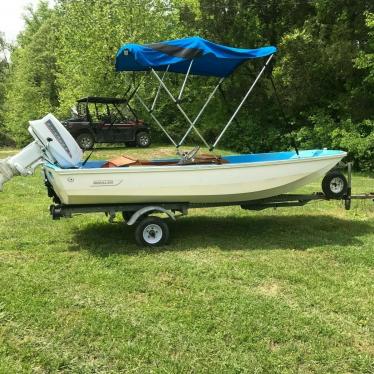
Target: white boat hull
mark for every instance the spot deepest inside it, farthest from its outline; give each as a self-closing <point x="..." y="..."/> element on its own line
<point x="191" y="184"/>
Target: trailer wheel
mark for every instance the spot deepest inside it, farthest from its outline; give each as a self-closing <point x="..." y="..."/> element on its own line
<point x="334" y="185"/>
<point x="152" y="232"/>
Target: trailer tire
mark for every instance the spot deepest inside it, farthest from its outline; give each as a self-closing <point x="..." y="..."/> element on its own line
<point x="334" y="185"/>
<point x="152" y="232"/>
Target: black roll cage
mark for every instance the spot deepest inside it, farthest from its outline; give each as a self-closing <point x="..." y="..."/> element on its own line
<point x="105" y="101"/>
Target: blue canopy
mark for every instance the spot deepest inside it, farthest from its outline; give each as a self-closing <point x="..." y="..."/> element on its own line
<point x="210" y="59"/>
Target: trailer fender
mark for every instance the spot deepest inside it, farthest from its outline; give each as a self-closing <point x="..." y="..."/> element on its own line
<point x="149" y="209"/>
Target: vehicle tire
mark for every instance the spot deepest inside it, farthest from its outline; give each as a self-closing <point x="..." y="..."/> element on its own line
<point x="334" y="185"/>
<point x="143" y="139"/>
<point x="152" y="232"/>
<point x="127" y="215"/>
<point x="85" y="140"/>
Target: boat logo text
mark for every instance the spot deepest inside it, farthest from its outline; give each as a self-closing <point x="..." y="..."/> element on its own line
<point x="105" y="182"/>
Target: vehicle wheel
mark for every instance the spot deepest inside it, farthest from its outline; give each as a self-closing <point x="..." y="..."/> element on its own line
<point x="143" y="139"/>
<point x="334" y="185"/>
<point x="85" y="140"/>
<point x="127" y="215"/>
<point x="152" y="232"/>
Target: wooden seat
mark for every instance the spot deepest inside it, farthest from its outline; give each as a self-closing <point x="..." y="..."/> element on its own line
<point x="127" y="161"/>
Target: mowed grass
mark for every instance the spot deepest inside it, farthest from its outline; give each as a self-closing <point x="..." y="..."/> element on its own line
<point x="277" y="291"/>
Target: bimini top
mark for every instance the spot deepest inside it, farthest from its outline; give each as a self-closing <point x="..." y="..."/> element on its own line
<point x="210" y="59"/>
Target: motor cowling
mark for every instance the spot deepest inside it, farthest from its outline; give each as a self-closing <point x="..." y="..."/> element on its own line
<point x="53" y="143"/>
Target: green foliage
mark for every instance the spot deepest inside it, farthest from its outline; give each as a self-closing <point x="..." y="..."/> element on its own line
<point x="5" y="140"/>
<point x="324" y="69"/>
<point x="366" y="60"/>
<point x="88" y="42"/>
<point x="357" y="138"/>
<point x="32" y="91"/>
<point x="4" y="68"/>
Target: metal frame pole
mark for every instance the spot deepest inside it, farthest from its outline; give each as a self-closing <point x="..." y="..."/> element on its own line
<point x="184" y="82"/>
<point x="180" y="108"/>
<point x="155" y="119"/>
<point x="159" y="89"/>
<point x="201" y="112"/>
<point x="241" y="103"/>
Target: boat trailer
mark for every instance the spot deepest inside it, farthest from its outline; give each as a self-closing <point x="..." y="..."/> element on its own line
<point x="154" y="231"/>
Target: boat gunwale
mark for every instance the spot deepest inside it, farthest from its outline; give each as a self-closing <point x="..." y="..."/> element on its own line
<point x="193" y="167"/>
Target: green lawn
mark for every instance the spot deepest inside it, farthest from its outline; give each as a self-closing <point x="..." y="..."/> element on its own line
<point x="278" y="291"/>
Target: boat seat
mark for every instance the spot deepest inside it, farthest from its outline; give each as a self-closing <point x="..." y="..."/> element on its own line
<point x="127" y="161"/>
<point x="120" y="161"/>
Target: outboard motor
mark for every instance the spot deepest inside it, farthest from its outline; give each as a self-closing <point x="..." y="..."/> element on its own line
<point x="53" y="143"/>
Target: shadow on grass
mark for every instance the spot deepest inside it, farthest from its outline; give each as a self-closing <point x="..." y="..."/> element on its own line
<point x="296" y="232"/>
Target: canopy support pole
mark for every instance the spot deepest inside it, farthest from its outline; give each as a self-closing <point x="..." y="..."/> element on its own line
<point x="159" y="89"/>
<point x="180" y="108"/>
<point x="184" y="82"/>
<point x="201" y="112"/>
<point x="149" y="110"/>
<point x="241" y="103"/>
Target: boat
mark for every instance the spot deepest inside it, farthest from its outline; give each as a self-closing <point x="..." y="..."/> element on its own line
<point x="190" y="177"/>
<point x="139" y="188"/>
<point x="237" y="178"/>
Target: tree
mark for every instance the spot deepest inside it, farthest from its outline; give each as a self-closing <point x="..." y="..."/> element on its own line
<point x="323" y="68"/>
<point x="31" y="84"/>
<point x="4" y="69"/>
<point x="90" y="34"/>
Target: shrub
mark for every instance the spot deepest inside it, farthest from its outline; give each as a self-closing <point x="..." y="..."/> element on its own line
<point x="355" y="138"/>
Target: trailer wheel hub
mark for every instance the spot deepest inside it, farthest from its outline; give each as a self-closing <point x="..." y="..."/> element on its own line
<point x="152" y="233"/>
<point x="337" y="185"/>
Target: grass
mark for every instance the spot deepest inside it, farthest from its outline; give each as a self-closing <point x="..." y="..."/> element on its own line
<point x="285" y="291"/>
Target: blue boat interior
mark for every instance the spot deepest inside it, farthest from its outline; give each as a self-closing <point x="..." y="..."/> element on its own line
<point x="280" y="156"/>
<point x="232" y="159"/>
